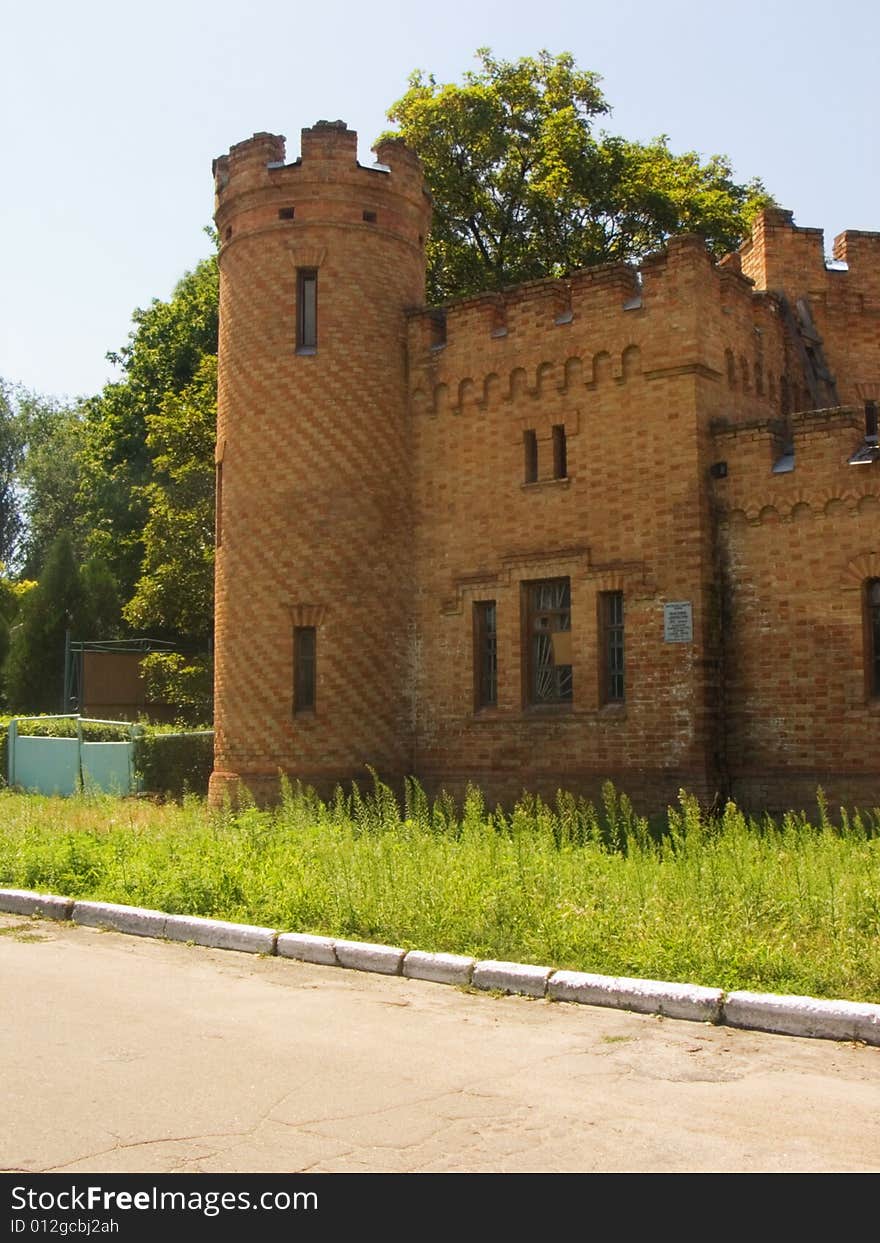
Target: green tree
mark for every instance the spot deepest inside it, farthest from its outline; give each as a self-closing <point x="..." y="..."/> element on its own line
<point x="11" y="450"/>
<point x="35" y="664"/>
<point x="48" y="475"/>
<point x="165" y="350"/>
<point x="175" y="590"/>
<point x="524" y="186"/>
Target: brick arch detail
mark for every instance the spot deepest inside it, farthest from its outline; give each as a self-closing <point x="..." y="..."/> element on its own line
<point x="307" y="614"/>
<point x="304" y="255"/>
<point x="859" y="569"/>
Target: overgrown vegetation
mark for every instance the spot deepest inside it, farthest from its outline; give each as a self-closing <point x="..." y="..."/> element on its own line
<point x="172" y="762"/>
<point x="788" y="906"/>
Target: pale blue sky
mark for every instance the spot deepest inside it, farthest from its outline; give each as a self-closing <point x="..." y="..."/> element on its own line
<point x="111" y="113"/>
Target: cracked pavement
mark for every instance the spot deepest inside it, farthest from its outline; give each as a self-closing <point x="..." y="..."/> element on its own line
<point x="126" y="1055"/>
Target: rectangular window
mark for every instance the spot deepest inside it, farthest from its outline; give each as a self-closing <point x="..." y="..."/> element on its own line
<point x="218" y="506"/>
<point x="485" y="655"/>
<point x="560" y="463"/>
<point x="304" y="668"/>
<point x="611" y="646"/>
<point x="530" y="446"/>
<point x="873" y="636"/>
<point x="306" y="310"/>
<point x="548" y="642"/>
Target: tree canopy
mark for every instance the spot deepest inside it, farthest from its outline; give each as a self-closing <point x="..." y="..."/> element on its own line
<point x="524" y="186"/>
<point x="118" y="484"/>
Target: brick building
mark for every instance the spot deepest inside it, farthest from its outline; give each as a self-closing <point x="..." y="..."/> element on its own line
<point x="623" y="524"/>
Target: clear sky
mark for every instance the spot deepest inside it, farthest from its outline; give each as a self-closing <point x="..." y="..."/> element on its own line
<point x="111" y="112"/>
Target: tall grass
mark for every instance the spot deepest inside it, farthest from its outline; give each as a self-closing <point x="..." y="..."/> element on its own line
<point x="789" y="906"/>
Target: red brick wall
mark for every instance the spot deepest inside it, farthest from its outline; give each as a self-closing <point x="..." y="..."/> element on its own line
<point x="798" y="549"/>
<point x="315" y="526"/>
<point x="376" y="490"/>
<point x="630" y="516"/>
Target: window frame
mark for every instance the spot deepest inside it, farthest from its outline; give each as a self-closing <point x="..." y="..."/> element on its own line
<point x="560" y="452"/>
<point x="485" y="631"/>
<point x="530" y="455"/>
<point x="305" y="670"/>
<point x="535" y="664"/>
<point x="306" y="309"/>
<point x="872" y="637"/>
<point x="218" y="504"/>
<point x="612" y="647"/>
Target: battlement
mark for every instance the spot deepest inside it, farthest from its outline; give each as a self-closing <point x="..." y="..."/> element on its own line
<point x="255" y="187"/>
<point x="786" y="257"/>
<point x="668" y="278"/>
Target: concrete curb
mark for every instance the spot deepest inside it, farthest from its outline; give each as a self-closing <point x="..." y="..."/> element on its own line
<point x="803" y="1016"/>
<point x="219" y="935"/>
<point x="364" y="956"/>
<point x="769" y="1012"/>
<point x="512" y="977"/>
<point x="135" y="920"/>
<point x="440" y="968"/>
<point x="307" y="948"/>
<point x="24" y="902"/>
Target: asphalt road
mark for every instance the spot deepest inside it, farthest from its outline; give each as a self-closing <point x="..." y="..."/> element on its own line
<point x="129" y="1055"/>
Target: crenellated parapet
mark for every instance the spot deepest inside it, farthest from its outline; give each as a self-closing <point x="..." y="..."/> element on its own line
<point x="834" y="304"/>
<point x="257" y="191"/>
<point x="678" y="313"/>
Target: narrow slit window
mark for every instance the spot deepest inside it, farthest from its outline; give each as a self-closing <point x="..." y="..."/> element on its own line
<point x="530" y="448"/>
<point x="485" y="654"/>
<point x="307" y="310"/>
<point x="873" y="619"/>
<point x="611" y="646"/>
<point x="871" y="423"/>
<point x="304" y="668"/>
<point x="560" y="455"/>
<point x="218" y="507"/>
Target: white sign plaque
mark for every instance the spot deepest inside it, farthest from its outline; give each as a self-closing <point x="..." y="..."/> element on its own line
<point x="678" y="622"/>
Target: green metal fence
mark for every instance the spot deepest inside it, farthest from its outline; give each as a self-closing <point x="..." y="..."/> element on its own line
<point x="66" y="765"/>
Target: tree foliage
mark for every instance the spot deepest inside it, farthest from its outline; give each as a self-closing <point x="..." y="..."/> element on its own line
<point x="48" y="476"/>
<point x="175" y="590"/>
<point x="165" y="350"/>
<point x="35" y="665"/>
<point x="525" y="187"/>
<point x="11" y="452"/>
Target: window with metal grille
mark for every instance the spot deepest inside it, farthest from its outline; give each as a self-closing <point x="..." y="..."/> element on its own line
<point x="306" y="310"/>
<point x="485" y="655"/>
<point x="611" y="646"/>
<point x="304" y="668"/>
<point x="548" y="641"/>
<point x="873" y="620"/>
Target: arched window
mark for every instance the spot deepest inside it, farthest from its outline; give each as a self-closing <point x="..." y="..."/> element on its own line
<point x="872" y="601"/>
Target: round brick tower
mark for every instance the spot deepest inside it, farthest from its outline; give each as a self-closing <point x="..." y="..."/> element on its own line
<point x="319" y="261"/>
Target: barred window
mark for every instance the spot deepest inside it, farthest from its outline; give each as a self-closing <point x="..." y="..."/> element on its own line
<point x="548" y="642"/>
<point x="611" y="646"/>
<point x="485" y="655"/>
